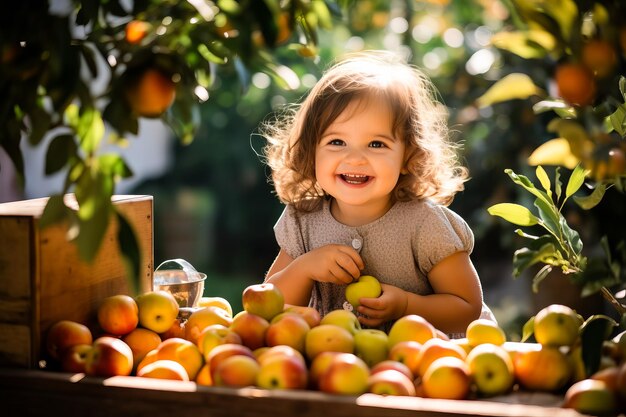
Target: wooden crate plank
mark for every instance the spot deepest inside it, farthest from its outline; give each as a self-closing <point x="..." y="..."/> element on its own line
<point x="132" y="396"/>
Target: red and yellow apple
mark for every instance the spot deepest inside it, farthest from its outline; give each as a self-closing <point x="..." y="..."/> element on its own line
<point x="141" y="341"/>
<point x="214" y="335"/>
<point x="282" y="372"/>
<point x="390" y="382"/>
<point x="236" y="371"/>
<point x="411" y="327"/>
<point x="250" y="328"/>
<point x="447" y="378"/>
<point x="184" y="352"/>
<point x="164" y="369"/>
<point x="74" y="359"/>
<point x="407" y="353"/>
<point x="287" y="329"/>
<point x="118" y="314"/>
<point x="265" y="300"/>
<point x="220" y="302"/>
<point x="346" y="374"/>
<point x="310" y="314"/>
<point x="328" y="337"/>
<point x="64" y="334"/>
<point x="109" y="357"/>
<point x="434" y="349"/>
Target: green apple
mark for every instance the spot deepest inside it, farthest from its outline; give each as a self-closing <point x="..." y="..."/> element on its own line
<point x="328" y="337"/>
<point x="371" y="345"/>
<point x="366" y="286"/>
<point x="265" y="300"/>
<point x="492" y="369"/>
<point x="557" y="325"/>
<point x="346" y="374"/>
<point x="157" y="310"/>
<point x="342" y="318"/>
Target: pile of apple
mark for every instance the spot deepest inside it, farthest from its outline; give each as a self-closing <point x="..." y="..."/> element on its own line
<point x="276" y="346"/>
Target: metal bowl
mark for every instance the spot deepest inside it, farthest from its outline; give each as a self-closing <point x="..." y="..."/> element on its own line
<point x="186" y="289"/>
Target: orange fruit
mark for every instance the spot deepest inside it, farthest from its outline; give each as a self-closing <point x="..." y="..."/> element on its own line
<point x="575" y="84"/>
<point x="599" y="56"/>
<point x="545" y="369"/>
<point x="141" y="341"/>
<point x="152" y="94"/>
<point x="136" y="30"/>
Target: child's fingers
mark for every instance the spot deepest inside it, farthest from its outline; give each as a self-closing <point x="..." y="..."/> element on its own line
<point x="347" y="264"/>
<point x="370" y="322"/>
<point x="354" y="255"/>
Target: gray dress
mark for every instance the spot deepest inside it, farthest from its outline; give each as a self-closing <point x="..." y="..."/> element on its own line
<point x="399" y="248"/>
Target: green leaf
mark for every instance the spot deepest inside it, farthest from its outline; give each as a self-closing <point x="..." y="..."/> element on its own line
<point x="524" y="258"/>
<point x="571" y="235"/>
<point x="622" y="86"/>
<point x="131" y="254"/>
<point x="617" y="120"/>
<point x="529" y="329"/>
<point x="529" y="44"/>
<point x="591" y="200"/>
<point x="576" y="180"/>
<point x="54" y="212"/>
<point x="514" y="213"/>
<point x="544" y="180"/>
<point x="577" y="136"/>
<point x="60" y="151"/>
<point x="114" y="165"/>
<point x="549" y="216"/>
<point x="513" y="86"/>
<point x="90" y="129"/>
<point x="594" y="331"/>
<point x="528" y="186"/>
<point x="557" y="183"/>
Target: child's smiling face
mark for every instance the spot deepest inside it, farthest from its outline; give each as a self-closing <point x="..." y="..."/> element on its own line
<point x="359" y="159"/>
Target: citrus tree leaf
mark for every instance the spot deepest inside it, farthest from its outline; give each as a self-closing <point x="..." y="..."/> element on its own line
<point x="54" y="212"/>
<point x="544" y="180"/>
<point x="617" y="120"/>
<point x="593" y="332"/>
<point x="60" y="151"/>
<point x="576" y="180"/>
<point x="524" y="258"/>
<point x="554" y="152"/>
<point x="591" y="200"/>
<point x="528" y="44"/>
<point x="560" y="107"/>
<point x="548" y="215"/>
<point x="512" y="86"/>
<point x="528" y="185"/>
<point x="514" y="213"/>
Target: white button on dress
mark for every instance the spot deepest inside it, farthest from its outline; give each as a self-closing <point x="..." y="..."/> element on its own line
<point x="356" y="243"/>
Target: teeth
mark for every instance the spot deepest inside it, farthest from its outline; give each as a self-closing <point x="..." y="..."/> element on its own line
<point x="354" y="178"/>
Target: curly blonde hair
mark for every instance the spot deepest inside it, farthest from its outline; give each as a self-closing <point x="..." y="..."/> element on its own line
<point x="432" y="168"/>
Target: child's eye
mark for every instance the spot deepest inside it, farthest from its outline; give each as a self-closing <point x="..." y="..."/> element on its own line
<point x="336" y="142"/>
<point x="377" y="144"/>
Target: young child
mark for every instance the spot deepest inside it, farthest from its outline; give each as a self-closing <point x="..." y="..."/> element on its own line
<point x="366" y="170"/>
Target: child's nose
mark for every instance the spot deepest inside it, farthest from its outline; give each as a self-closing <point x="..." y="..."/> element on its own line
<point x="355" y="157"/>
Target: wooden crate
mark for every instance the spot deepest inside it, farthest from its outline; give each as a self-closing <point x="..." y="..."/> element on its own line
<point x="43" y="280"/>
<point x="36" y="393"/>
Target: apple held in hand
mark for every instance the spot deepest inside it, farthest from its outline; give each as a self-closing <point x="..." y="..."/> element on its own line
<point x="118" y="314"/>
<point x="157" y="310"/>
<point x="366" y="286"/>
<point x="265" y="300"/>
<point x="492" y="369"/>
<point x="65" y="334"/>
<point x="109" y="357"/>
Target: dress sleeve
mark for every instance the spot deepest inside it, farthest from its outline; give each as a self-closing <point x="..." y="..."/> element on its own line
<point x="442" y="232"/>
<point x="288" y="233"/>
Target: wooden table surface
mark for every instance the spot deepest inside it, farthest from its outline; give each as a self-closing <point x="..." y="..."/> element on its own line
<point x="44" y="393"/>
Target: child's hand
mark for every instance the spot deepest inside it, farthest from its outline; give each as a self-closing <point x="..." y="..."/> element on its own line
<point x="390" y="305"/>
<point x="338" y="264"/>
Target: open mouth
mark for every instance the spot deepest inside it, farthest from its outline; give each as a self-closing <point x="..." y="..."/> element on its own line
<point x="355" y="179"/>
